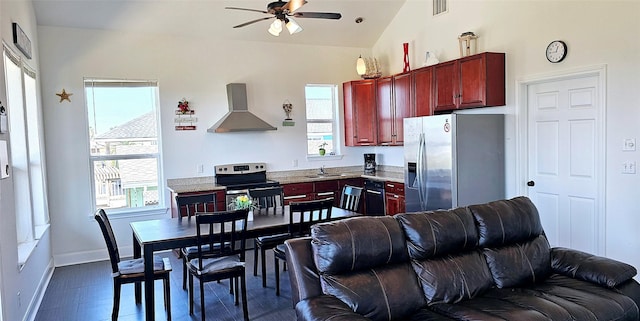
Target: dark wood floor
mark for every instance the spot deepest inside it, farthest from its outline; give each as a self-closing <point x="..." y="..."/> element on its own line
<point x="85" y="293"/>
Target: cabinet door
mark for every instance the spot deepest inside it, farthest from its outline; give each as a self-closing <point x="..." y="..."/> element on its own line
<point x="472" y="81"/>
<point x="446" y="85"/>
<point x="402" y="106"/>
<point x="360" y="113"/>
<point x="482" y="80"/>
<point x="422" y="83"/>
<point x="385" y="110"/>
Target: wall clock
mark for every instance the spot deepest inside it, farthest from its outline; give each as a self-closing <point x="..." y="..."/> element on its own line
<point x="556" y="51"/>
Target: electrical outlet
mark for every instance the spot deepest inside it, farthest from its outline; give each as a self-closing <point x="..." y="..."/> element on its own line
<point x="19" y="300"/>
<point x="294" y="163"/>
<point x="629" y="167"/>
<point x="200" y="169"/>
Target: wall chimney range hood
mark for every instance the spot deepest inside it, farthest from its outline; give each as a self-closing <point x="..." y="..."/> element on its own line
<point x="239" y="118"/>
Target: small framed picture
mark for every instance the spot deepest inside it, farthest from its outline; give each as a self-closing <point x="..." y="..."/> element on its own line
<point x="21" y="40"/>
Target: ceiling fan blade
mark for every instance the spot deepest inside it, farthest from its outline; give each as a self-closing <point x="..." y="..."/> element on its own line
<point x="294" y="5"/>
<point x="252" y="21"/>
<point x="245" y="9"/>
<point x="320" y="15"/>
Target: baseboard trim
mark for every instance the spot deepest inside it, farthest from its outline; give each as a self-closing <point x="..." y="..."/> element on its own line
<point x="34" y="305"/>
<point x="89" y="256"/>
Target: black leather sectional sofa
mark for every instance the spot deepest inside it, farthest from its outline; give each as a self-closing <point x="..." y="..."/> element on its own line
<point x="483" y="262"/>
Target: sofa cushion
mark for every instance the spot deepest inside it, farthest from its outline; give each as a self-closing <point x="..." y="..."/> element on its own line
<point x="363" y="261"/>
<point x="519" y="264"/>
<point x="557" y="298"/>
<point x="388" y="292"/>
<point x="437" y="233"/>
<point x="357" y="243"/>
<point x="453" y="278"/>
<point x="588" y="267"/>
<point x="506" y="222"/>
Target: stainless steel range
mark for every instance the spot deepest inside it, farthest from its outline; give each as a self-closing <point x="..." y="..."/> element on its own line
<point x="239" y="178"/>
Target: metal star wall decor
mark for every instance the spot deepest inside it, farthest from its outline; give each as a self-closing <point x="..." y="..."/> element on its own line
<point x="64" y="95"/>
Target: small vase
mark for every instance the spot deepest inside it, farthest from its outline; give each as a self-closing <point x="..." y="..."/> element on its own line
<point x="322" y="151"/>
<point x="250" y="216"/>
<point x="406" y="68"/>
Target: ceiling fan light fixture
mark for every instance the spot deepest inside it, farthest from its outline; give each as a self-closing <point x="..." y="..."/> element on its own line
<point x="293" y="26"/>
<point x="361" y="66"/>
<point x="275" y="28"/>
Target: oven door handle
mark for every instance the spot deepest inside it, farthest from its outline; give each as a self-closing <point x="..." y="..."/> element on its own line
<point x="237" y="191"/>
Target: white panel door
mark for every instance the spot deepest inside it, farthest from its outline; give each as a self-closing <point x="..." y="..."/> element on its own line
<point x="563" y="157"/>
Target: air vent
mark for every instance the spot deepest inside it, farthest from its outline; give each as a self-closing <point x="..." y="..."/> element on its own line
<point x="439" y="7"/>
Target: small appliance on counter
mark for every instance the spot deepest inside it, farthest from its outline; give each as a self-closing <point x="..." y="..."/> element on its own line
<point x="369" y="163"/>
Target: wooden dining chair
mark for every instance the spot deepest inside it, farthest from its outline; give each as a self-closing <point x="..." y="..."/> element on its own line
<point x="350" y="198"/>
<point x="267" y="198"/>
<point x="228" y="227"/>
<point x="131" y="271"/>
<point x="302" y="216"/>
<point x="270" y="197"/>
<point x="191" y="204"/>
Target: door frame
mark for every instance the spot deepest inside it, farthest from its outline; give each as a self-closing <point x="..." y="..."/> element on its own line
<point x="522" y="135"/>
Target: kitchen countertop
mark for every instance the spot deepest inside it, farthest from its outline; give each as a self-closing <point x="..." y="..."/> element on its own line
<point x="207" y="183"/>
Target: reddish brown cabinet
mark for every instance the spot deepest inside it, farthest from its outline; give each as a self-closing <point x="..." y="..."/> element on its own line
<point x="422" y="85"/>
<point x="394" y="198"/>
<point x="469" y="82"/>
<point x="360" y="118"/>
<point x="297" y="192"/>
<point x="394" y="104"/>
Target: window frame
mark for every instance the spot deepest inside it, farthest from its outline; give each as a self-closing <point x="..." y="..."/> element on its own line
<point x="124" y="212"/>
<point x="26" y="125"/>
<point x="335" y="121"/>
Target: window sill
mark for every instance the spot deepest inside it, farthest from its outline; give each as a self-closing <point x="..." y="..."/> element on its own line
<point x="318" y="158"/>
<point x="26" y="248"/>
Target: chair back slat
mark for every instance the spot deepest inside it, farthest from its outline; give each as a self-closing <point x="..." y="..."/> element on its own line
<point x="350" y="198"/>
<point x="196" y="203"/>
<point x="268" y="197"/>
<point x="109" y="238"/>
<point x="304" y="214"/>
<point x="226" y="231"/>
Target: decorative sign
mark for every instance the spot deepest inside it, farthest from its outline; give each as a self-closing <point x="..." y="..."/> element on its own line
<point x="185" y="120"/>
<point x="21" y="40"/>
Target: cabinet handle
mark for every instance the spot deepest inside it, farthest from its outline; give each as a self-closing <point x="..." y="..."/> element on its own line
<point x="325" y="193"/>
<point x="391" y="185"/>
<point x="374" y="192"/>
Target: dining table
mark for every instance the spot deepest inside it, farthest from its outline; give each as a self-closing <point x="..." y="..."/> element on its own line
<point x="174" y="233"/>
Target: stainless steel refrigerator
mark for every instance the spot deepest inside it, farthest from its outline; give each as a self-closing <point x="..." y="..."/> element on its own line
<point x="453" y="160"/>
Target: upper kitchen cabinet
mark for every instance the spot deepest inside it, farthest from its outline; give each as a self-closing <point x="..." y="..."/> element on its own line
<point x="394" y="104"/>
<point x="360" y="112"/>
<point x="422" y="85"/>
<point x="469" y="82"/>
<point x="402" y="106"/>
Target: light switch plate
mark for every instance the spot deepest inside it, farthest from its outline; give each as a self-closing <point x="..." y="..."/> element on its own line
<point x="629" y="144"/>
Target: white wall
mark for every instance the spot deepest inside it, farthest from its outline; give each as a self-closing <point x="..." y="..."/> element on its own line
<point x="31" y="280"/>
<point x="197" y="69"/>
<point x="596" y="32"/>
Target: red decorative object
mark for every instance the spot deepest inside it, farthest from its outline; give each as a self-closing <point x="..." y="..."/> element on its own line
<point x="183" y="106"/>
<point x="406" y="57"/>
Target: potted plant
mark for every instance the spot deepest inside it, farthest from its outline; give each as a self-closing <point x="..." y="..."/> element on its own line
<point x="321" y="149"/>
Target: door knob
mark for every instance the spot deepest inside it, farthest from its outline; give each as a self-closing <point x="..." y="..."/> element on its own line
<point x="531" y="183"/>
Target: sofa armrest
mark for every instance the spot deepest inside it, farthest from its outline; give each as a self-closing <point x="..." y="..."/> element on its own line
<point x="326" y="307"/>
<point x="588" y="267"/>
<point x="305" y="280"/>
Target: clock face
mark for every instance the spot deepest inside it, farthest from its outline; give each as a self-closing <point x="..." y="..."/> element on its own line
<point x="556" y="51"/>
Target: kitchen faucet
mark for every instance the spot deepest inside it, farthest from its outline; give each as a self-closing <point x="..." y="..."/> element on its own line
<point x="322" y="172"/>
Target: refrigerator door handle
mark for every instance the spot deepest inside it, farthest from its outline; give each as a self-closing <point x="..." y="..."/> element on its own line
<point x="420" y="171"/>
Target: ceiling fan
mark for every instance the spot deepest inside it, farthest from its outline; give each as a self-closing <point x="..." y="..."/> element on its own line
<point x="284" y="12"/>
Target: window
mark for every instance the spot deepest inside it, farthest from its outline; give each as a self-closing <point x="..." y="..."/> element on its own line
<point x="322" y="124"/>
<point x="27" y="169"/>
<point x="124" y="140"/>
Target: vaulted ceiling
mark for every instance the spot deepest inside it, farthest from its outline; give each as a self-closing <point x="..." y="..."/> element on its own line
<point x="209" y="18"/>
